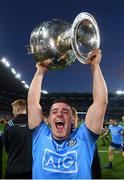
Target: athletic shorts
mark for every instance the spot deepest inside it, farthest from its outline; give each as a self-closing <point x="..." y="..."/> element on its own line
<point x="116" y="146"/>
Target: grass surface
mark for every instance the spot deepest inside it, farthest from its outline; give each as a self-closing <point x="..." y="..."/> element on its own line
<point x="117" y="172"/>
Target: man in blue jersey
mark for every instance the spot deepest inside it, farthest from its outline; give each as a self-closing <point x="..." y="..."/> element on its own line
<point x="60" y="152"/>
<point x="116" y="131"/>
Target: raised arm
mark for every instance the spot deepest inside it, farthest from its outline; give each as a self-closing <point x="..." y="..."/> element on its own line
<point x="34" y="93"/>
<point x="95" y="114"/>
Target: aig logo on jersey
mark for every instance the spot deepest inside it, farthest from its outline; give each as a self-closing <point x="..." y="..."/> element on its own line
<point x="64" y="163"/>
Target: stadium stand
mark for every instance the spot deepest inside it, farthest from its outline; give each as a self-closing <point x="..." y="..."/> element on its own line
<point x="11" y="89"/>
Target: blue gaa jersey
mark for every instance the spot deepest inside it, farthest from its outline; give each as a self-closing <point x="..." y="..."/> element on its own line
<point x="116" y="133"/>
<point x="71" y="159"/>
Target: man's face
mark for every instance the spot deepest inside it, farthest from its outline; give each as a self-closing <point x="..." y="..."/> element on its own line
<point x="112" y="121"/>
<point x="61" y="120"/>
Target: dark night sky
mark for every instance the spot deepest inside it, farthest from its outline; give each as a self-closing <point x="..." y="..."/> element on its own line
<point x="18" y="18"/>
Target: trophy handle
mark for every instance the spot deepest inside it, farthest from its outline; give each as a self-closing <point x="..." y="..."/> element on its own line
<point x="85" y="36"/>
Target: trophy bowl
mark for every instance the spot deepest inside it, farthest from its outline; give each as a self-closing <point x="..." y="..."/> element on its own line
<point x="63" y="43"/>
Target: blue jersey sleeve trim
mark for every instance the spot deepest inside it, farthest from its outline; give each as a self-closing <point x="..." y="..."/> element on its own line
<point x="91" y="132"/>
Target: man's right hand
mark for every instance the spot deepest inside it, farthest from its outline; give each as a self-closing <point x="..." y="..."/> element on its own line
<point x="42" y="66"/>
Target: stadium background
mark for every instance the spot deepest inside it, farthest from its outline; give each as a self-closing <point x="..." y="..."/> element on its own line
<point x="11" y="89"/>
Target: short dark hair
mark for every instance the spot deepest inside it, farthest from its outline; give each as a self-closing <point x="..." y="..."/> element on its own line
<point x="114" y="119"/>
<point x="63" y="101"/>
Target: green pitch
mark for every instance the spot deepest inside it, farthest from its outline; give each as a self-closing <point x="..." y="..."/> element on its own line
<point x="117" y="172"/>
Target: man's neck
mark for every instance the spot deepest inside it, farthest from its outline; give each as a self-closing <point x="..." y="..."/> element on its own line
<point x="19" y="113"/>
<point x="58" y="140"/>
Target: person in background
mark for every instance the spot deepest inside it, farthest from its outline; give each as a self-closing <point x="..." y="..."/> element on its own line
<point x="18" y="143"/>
<point x="117" y="143"/>
<point x="75" y="116"/>
<point x="105" y="139"/>
<point x="1" y="153"/>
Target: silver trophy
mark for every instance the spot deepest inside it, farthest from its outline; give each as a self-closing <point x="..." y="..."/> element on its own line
<point x="63" y="43"/>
